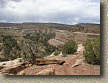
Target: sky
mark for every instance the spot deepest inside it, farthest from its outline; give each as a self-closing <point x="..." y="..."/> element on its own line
<point x="52" y="11"/>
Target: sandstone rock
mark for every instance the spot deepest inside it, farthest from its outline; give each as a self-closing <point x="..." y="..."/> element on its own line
<point x="15" y="62"/>
<point x="48" y="71"/>
<point x="77" y="63"/>
<point x="21" y="72"/>
<point x="52" y="54"/>
<point x="49" y="61"/>
<point x="62" y="54"/>
<point x="10" y="67"/>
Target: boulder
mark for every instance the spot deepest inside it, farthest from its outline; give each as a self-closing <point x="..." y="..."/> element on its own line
<point x="11" y="63"/>
<point x="48" y="71"/>
<point x="11" y="67"/>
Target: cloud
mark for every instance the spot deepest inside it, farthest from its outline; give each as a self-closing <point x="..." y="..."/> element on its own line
<point x="61" y="11"/>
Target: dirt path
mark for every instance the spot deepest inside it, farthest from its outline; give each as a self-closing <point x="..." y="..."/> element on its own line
<point x="73" y="65"/>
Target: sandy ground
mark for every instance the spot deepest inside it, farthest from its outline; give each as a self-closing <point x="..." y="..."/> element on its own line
<point x="74" y="65"/>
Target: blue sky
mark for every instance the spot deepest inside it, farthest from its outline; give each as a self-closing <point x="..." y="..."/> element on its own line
<point x="54" y="11"/>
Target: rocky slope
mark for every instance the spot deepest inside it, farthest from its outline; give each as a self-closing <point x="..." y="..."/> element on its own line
<point x="74" y="65"/>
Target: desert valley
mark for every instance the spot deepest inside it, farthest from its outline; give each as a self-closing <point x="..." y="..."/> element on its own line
<point x="49" y="49"/>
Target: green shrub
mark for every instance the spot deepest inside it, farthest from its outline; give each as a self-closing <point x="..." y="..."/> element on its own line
<point x="70" y="47"/>
<point x="92" y="51"/>
<point x="10" y="47"/>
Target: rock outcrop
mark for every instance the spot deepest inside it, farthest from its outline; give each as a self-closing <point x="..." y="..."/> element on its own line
<point x="12" y="67"/>
<point x="48" y="71"/>
<point x="48" y="61"/>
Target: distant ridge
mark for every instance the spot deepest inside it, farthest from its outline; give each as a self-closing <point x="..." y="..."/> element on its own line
<point x="44" y="24"/>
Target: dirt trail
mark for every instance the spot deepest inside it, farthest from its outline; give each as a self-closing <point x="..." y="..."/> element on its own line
<point x="79" y="67"/>
<point x="73" y="65"/>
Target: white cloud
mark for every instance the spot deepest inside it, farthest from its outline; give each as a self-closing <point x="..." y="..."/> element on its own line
<point x="45" y="9"/>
